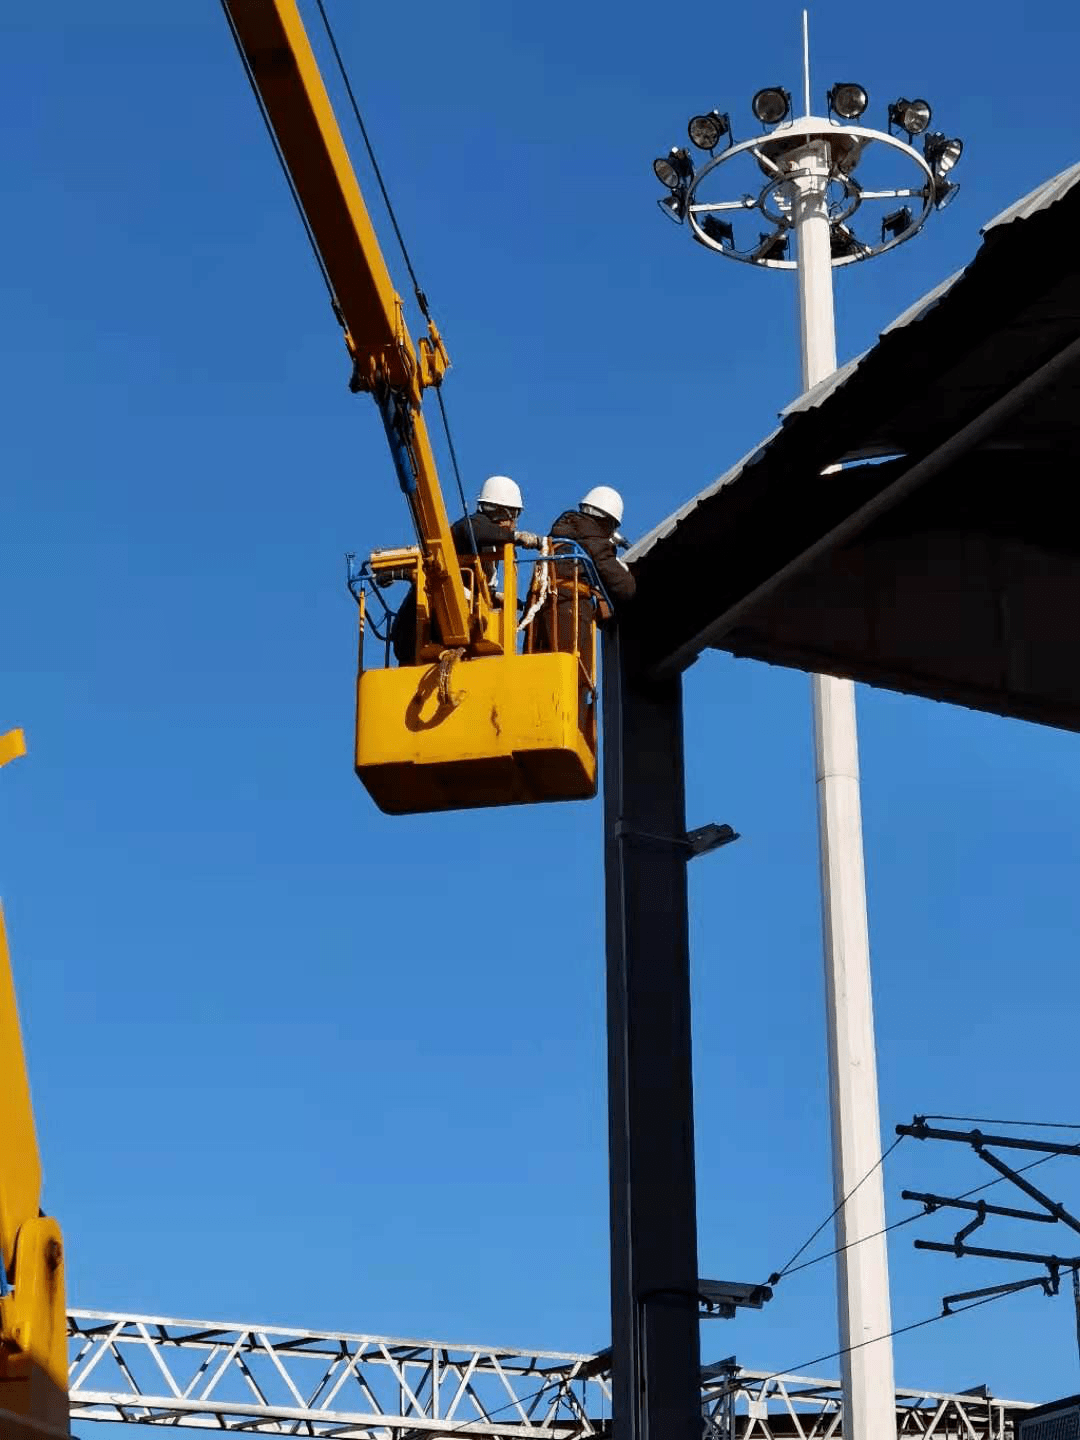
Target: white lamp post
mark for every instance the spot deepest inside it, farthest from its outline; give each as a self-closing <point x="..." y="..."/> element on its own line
<point x="811" y="197"/>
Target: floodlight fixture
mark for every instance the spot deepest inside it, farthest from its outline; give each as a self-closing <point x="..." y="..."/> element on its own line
<point x="705" y="131"/>
<point x="944" y="192"/>
<point x="673" y="168"/>
<point x="895" y="223"/>
<point x="818" y="155"/>
<point x="912" y="116"/>
<point x="772" y="245"/>
<point x="847" y="100"/>
<point x="721" y="231"/>
<point x="674" y="205"/>
<point x="941" y="152"/>
<point x="771" y="105"/>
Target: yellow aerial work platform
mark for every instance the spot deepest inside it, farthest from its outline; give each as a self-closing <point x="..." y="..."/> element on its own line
<point x="492" y="712"/>
<point x="456" y="731"/>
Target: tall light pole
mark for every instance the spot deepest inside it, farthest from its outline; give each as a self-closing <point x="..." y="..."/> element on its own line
<point x="811" y="197"/>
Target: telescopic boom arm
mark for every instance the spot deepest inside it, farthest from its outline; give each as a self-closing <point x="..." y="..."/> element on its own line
<point x="285" y="74"/>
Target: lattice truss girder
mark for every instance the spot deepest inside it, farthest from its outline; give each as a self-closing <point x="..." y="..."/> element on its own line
<point x="216" y="1375"/>
<point x="752" y="1405"/>
<point x="211" y="1374"/>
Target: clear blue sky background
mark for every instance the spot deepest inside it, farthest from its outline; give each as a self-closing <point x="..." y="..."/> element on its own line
<point x="297" y="1062"/>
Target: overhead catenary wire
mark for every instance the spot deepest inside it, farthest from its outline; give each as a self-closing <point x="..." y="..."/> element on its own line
<point x="851" y="1244"/>
<point x="1016" y="1124"/>
<point x="778" y="1275"/>
<point x="791" y="1269"/>
<point x="804" y="1365"/>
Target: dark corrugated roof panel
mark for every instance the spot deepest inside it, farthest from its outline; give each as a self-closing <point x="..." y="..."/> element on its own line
<point x="1039" y="199"/>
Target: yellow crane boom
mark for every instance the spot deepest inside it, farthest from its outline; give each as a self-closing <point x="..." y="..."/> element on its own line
<point x="285" y="75"/>
<point x="475" y="712"/>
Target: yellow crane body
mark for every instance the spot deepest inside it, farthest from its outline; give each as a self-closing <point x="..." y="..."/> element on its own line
<point x="33" y="1316"/>
<point x="477" y="719"/>
<point x="20" y="1186"/>
<point x="12" y="745"/>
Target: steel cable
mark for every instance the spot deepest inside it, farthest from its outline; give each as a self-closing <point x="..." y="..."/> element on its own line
<point x="281" y="159"/>
<point x="792" y="1269"/>
<point x="877" y="1339"/>
<point x="421" y="297"/>
<point x="1020" y="1124"/>
<point x="778" y="1275"/>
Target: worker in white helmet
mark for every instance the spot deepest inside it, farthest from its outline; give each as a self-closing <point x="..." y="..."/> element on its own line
<point x="594" y="525"/>
<point x="493" y="523"/>
<point x="483" y="533"/>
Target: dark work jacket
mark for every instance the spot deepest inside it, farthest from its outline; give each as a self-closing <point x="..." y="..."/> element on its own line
<point x="593" y="537"/>
<point x="490" y="538"/>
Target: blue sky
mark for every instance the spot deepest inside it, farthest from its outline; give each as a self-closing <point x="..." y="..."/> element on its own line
<point x="297" y="1062"/>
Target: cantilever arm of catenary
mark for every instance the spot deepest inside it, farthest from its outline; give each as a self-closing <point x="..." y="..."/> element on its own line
<point x="284" y="71"/>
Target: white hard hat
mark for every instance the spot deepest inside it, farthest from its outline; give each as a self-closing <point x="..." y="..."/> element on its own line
<point x="605" y="499"/>
<point x="500" y="490"/>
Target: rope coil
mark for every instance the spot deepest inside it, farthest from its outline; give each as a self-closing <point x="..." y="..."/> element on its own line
<point x="543" y="588"/>
<point x="447" y="660"/>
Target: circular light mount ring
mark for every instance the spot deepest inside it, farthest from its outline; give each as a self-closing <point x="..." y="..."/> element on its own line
<point x="770" y="149"/>
<point x="838" y="213"/>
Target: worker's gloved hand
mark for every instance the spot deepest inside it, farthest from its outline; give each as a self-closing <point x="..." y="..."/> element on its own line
<point x="620" y="541"/>
<point x="527" y="540"/>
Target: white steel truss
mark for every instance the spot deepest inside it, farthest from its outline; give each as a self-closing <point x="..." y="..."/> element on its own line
<point x="208" y="1374"/>
<point x="753" y="1405"/>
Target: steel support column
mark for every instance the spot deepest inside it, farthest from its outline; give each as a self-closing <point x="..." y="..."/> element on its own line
<point x="654" y="1308"/>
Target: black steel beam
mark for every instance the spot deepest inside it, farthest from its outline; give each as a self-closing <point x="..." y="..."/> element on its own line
<point x="1068" y="1262"/>
<point x="982" y="1207"/>
<point x="1057" y="1211"/>
<point x="654" y="1279"/>
<point x="919" y="1130"/>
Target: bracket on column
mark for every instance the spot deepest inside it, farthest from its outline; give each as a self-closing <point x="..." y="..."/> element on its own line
<point x="719" y="1299"/>
<point x="692" y="844"/>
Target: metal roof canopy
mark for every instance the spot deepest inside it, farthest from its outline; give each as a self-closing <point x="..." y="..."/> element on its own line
<point x="942" y="558"/>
